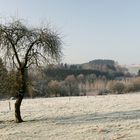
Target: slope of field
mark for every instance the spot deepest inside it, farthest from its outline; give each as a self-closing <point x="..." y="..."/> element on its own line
<point x="133" y="69"/>
<point x="111" y="117"/>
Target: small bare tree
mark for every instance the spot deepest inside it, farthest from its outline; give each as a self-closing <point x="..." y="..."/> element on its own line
<point x="25" y="46"/>
<point x="72" y="85"/>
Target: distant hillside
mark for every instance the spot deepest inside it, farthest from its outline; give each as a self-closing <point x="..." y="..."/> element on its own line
<point x="104" y="65"/>
<point x="107" y="68"/>
<point x="99" y="64"/>
<point x="102" y="62"/>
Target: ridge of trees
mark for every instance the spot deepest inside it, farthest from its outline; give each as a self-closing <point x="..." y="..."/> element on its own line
<point x="108" y="68"/>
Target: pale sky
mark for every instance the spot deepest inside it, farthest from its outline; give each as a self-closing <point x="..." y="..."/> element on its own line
<point x="91" y="29"/>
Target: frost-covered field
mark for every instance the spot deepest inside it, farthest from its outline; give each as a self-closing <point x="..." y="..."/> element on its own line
<point x="111" y="117"/>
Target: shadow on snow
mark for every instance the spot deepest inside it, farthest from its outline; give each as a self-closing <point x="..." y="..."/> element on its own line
<point x="93" y="117"/>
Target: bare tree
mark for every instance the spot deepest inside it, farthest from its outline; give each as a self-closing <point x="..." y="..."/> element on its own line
<point x="54" y="87"/>
<point x="72" y="84"/>
<point x="25" y="46"/>
<point x="82" y="84"/>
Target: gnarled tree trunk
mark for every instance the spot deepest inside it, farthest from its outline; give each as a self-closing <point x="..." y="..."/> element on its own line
<point x="18" y="118"/>
<point x="20" y="96"/>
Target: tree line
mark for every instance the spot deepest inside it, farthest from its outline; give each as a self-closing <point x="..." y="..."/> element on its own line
<point x="55" y="81"/>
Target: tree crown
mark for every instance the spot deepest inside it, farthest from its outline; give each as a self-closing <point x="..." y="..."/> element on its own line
<point x="25" y="46"/>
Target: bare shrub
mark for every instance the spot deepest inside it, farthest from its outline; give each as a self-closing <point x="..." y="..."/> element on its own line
<point x="133" y="85"/>
<point x="116" y="87"/>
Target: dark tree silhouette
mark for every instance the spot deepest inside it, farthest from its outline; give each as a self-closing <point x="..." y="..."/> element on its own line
<point x="25" y="46"/>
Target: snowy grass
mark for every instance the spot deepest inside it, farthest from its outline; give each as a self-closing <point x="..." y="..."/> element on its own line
<point x="111" y="117"/>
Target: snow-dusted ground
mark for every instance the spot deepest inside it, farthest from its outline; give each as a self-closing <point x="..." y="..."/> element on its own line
<point x="111" y="117"/>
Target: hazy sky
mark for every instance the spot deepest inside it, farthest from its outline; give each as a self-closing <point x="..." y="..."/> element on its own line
<point x="91" y="29"/>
